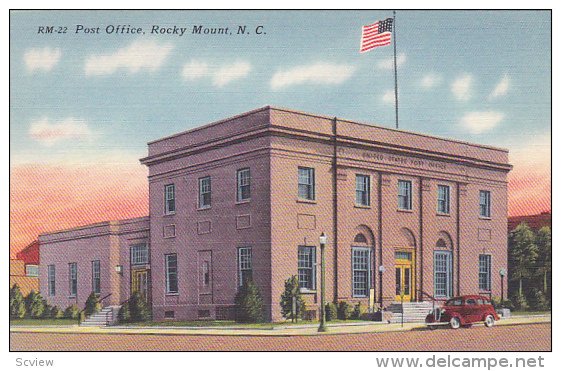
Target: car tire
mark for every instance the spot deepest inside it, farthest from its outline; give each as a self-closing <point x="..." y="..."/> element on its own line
<point x="489" y="320"/>
<point x="455" y="323"/>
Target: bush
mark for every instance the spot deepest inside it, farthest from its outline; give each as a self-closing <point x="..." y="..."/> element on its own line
<point x="93" y="305"/>
<point x="249" y="304"/>
<point x="292" y="292"/>
<point x="47" y="312"/>
<point x="124" y="313"/>
<point x="538" y="300"/>
<point x="56" y="312"/>
<point x="357" y="311"/>
<point x="344" y="310"/>
<point x="17" y="303"/>
<point x="330" y="311"/>
<point x="519" y="302"/>
<point x="72" y="312"/>
<point x="138" y="308"/>
<point x="34" y="305"/>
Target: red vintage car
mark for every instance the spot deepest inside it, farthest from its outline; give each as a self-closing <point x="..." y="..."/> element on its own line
<point x="463" y="311"/>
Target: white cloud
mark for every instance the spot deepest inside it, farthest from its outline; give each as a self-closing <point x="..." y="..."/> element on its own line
<point x="461" y="87"/>
<point x="41" y="59"/>
<point x="48" y="133"/>
<point x="318" y="73"/>
<point x="501" y="88"/>
<point x="226" y="74"/>
<point x="480" y="122"/>
<point x="430" y="80"/>
<point x="387" y="64"/>
<point x="389" y="97"/>
<point x="195" y="70"/>
<point x="140" y="54"/>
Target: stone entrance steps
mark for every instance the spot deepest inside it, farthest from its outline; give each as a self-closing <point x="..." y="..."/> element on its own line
<point x="106" y="317"/>
<point x="411" y="312"/>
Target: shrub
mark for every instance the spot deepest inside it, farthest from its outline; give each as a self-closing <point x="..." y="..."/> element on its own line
<point x="124" y="313"/>
<point x="138" y="308"/>
<point x="343" y="310"/>
<point x="34" y="305"/>
<point x="48" y="309"/>
<point x="538" y="300"/>
<point x="56" y="312"/>
<point x="292" y="292"/>
<point x="249" y="303"/>
<point x="357" y="311"/>
<point x="72" y="312"/>
<point x="330" y="311"/>
<point x="519" y="302"/>
<point x="17" y="303"/>
<point x="93" y="305"/>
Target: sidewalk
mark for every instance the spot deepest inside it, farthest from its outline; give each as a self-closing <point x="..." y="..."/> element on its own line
<point x="276" y="330"/>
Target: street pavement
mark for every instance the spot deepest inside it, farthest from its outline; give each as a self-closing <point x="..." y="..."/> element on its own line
<point x="519" y="337"/>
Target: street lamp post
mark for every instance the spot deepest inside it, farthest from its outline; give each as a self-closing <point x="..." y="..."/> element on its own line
<point x="322" y="243"/>
<point x="502" y="273"/>
<point x="381" y="270"/>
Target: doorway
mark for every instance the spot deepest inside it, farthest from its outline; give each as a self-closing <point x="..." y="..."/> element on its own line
<point x="141" y="283"/>
<point x="404" y="275"/>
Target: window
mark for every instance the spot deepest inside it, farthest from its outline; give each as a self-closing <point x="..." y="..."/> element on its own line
<point x="307" y="267"/>
<point x="51" y="280"/>
<point x="404" y="195"/>
<point x="485" y="204"/>
<point x="306" y="183"/>
<point x="244" y="184"/>
<point x="32" y="270"/>
<point x="72" y="279"/>
<point x="139" y="254"/>
<point x="169" y="191"/>
<point x="363" y="190"/>
<point x="206" y="273"/>
<point x="485" y="272"/>
<point x="245" y="271"/>
<point x="443" y="206"/>
<point x="442" y="274"/>
<point x="96" y="277"/>
<point x="171" y="273"/>
<point x="204" y="192"/>
<point x="361" y="271"/>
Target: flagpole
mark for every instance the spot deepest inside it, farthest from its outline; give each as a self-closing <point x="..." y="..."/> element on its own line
<point x="395" y="70"/>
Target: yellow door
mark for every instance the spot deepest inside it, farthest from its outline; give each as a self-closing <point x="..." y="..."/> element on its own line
<point x="404" y="275"/>
<point x="140" y="282"/>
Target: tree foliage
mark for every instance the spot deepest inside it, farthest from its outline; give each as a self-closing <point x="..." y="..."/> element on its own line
<point x="17" y="302"/>
<point x="249" y="303"/>
<point x="292" y="304"/>
<point x="523" y="253"/>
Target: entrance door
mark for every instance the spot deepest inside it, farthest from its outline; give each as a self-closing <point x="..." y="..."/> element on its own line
<point x="403" y="275"/>
<point x="140" y="282"/>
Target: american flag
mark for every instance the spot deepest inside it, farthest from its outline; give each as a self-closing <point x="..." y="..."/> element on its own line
<point x="375" y="35"/>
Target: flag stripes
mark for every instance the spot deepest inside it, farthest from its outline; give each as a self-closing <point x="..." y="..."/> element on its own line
<point x="375" y="35"/>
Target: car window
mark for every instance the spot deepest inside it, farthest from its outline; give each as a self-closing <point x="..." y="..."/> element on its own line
<point x="470" y="302"/>
<point x="480" y="301"/>
<point x="454" y="302"/>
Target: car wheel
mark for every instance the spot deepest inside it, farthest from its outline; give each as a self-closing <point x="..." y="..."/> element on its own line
<point x="489" y="320"/>
<point x="455" y="323"/>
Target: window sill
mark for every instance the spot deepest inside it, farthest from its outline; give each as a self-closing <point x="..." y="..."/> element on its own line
<point x="168" y="214"/>
<point x="172" y="294"/>
<point x="304" y="201"/>
<point x="363" y="207"/>
<point x="405" y="210"/>
<point x="484" y="218"/>
<point x="306" y="291"/>
<point x="443" y="214"/>
<point x="203" y="208"/>
<point x="243" y="202"/>
<point x="72" y="297"/>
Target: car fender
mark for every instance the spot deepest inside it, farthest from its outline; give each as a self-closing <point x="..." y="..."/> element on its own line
<point x="456" y="314"/>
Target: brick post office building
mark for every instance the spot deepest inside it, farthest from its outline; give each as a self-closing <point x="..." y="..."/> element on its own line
<point x="406" y="215"/>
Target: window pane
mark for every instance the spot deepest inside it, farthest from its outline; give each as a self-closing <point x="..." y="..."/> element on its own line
<point x="204" y="192"/>
<point x="51" y="277"/>
<point x="171" y="273"/>
<point x="404" y="194"/>
<point x="244" y="182"/>
<point x="245" y="270"/>
<point x="363" y="190"/>
<point x="306" y="267"/>
<point x="485" y="272"/>
<point x="361" y="271"/>
<point x="169" y="198"/>
<point x="306" y="183"/>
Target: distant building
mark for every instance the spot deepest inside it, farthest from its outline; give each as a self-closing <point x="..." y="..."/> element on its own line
<point x="24" y="270"/>
<point x="535" y="222"/>
<point x="408" y="216"/>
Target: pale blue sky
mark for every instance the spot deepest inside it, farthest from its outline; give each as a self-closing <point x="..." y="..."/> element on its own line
<point x="481" y="76"/>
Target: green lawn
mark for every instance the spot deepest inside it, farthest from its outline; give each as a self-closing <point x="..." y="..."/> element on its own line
<point x="230" y="323"/>
<point x="43" y="322"/>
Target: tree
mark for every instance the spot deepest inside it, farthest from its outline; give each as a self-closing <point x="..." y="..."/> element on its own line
<point x="543" y="242"/>
<point x="34" y="305"/>
<point x="249" y="303"/>
<point x="292" y="304"/>
<point x="523" y="254"/>
<point x="138" y="308"/>
<point x="72" y="312"/>
<point x="93" y="305"/>
<point x="17" y="303"/>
